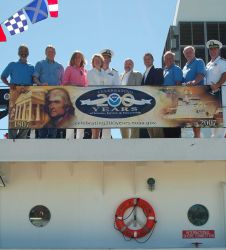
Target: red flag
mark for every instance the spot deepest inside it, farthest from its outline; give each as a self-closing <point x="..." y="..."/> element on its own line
<point x="2" y="35"/>
<point x="53" y="8"/>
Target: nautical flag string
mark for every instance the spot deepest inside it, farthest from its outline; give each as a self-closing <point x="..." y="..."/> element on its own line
<point x="2" y="35"/>
<point x="17" y="23"/>
<point x="53" y="8"/>
<point x="37" y="11"/>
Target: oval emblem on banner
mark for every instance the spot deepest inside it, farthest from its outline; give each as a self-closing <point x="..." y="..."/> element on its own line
<point x="115" y="102"/>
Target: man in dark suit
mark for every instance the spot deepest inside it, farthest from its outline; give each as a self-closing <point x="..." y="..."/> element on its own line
<point x="153" y="77"/>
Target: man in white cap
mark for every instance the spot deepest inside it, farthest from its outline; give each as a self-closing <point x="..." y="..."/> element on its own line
<point x="216" y="76"/>
<point x="113" y="79"/>
<point x="112" y="74"/>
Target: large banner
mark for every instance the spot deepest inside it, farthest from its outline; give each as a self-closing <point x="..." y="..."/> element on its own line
<point x="114" y="107"/>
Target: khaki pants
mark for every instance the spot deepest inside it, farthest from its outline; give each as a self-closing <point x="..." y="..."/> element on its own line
<point x="127" y="133"/>
<point x="106" y="133"/>
<point x="156" y="132"/>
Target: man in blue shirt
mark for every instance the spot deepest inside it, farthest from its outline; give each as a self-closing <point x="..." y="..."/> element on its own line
<point x="20" y="73"/>
<point x="172" y="73"/>
<point x="172" y="76"/>
<point x="194" y="70"/>
<point x="48" y="72"/>
<point x="193" y="74"/>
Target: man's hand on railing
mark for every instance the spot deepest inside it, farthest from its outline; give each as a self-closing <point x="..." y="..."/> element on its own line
<point x="215" y="87"/>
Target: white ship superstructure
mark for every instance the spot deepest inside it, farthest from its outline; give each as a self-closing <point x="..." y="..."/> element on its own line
<point x="81" y="183"/>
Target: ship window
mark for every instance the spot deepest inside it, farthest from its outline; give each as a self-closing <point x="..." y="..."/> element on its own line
<point x="182" y="59"/>
<point x="222" y="29"/>
<point x="198" y="215"/>
<point x="39" y="216"/>
<point x="200" y="53"/>
<point x="185" y="34"/>
<point x="223" y="53"/>
<point x="198" y="33"/>
<point x="212" y="31"/>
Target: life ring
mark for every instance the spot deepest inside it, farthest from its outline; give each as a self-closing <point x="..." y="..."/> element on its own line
<point x="120" y="220"/>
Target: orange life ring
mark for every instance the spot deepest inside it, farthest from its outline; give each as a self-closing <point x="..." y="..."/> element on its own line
<point x="148" y="211"/>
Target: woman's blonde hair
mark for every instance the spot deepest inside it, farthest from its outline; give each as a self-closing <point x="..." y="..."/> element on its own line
<point x="98" y="56"/>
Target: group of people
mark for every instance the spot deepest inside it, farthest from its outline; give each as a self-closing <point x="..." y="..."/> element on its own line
<point x="50" y="72"/>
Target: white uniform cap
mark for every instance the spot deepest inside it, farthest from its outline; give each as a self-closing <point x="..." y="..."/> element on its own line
<point x="107" y="52"/>
<point x="214" y="44"/>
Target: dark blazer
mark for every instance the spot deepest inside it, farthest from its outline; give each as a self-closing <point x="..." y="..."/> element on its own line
<point x="154" y="77"/>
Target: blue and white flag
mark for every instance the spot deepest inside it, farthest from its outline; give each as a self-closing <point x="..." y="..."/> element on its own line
<point x="16" y="23"/>
<point x="37" y="11"/>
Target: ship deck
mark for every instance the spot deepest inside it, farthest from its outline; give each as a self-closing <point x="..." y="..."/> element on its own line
<point x="184" y="149"/>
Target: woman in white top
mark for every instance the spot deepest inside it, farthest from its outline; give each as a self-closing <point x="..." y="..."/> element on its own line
<point x="97" y="76"/>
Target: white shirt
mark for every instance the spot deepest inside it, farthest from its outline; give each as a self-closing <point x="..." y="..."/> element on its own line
<point x="214" y="70"/>
<point x="113" y="77"/>
<point x="96" y="77"/>
<point x="147" y="71"/>
<point x="125" y="78"/>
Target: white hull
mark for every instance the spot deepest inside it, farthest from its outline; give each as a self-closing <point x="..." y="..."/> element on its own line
<point x="82" y="195"/>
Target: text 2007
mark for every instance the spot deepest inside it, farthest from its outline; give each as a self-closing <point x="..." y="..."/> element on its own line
<point x="207" y="123"/>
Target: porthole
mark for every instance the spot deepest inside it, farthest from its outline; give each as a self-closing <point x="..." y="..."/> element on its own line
<point x="39" y="216"/>
<point x="198" y="215"/>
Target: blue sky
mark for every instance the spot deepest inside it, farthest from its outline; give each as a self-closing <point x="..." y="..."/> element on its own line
<point x="129" y="27"/>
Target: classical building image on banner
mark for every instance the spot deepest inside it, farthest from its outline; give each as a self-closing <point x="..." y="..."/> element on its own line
<point x="38" y="107"/>
<point x="28" y="109"/>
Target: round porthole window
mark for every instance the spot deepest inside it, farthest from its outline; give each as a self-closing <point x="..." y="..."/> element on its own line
<point x="39" y="216"/>
<point x="198" y="215"/>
